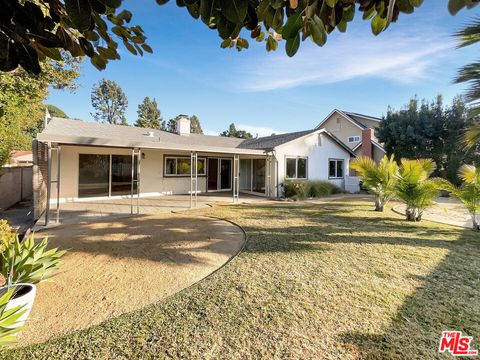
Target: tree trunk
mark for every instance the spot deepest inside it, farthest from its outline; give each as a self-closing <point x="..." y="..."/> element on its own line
<point x="378" y="204"/>
<point x="476" y="226"/>
<point x="410" y="214"/>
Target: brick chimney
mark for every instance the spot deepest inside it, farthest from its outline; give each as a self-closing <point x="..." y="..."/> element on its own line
<point x="183" y="125"/>
<point x="367" y="136"/>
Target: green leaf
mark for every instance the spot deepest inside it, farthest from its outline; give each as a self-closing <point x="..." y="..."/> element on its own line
<point x="293" y="25"/>
<point x="234" y="10"/>
<point x="110" y="3"/>
<point x="226" y="43"/>
<point x="416" y="3"/>
<point x="342" y="26"/>
<point x="147" y="48"/>
<point x="272" y="44"/>
<point x="207" y="8"/>
<point x="331" y="3"/>
<point x="162" y="2"/>
<point x="378" y="24"/>
<point x="454" y="6"/>
<point x="292" y="45"/>
<point x="80" y="13"/>
<point x="317" y="31"/>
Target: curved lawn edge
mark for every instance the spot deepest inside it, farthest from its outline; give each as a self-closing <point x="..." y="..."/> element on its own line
<point x="241" y="240"/>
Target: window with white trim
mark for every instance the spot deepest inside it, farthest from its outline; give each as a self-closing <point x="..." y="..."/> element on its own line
<point x="296" y="167"/>
<point x="353" y="139"/>
<point x="335" y="169"/>
<point x="180" y="166"/>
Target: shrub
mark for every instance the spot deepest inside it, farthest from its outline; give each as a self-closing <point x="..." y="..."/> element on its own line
<point x="304" y="189"/>
<point x="295" y="189"/>
<point x="29" y="262"/>
<point x="7" y="235"/>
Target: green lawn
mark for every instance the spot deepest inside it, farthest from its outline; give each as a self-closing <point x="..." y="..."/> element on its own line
<point x="315" y="281"/>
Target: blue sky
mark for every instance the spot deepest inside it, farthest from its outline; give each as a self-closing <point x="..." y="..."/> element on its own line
<point x="189" y="73"/>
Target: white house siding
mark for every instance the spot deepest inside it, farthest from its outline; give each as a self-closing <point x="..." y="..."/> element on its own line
<point x="318" y="148"/>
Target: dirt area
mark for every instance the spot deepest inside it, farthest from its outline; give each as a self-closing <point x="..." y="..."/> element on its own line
<point x="119" y="265"/>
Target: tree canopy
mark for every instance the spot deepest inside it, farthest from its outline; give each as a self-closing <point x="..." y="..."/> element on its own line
<point x="31" y="31"/>
<point x="195" y="127"/>
<point x="109" y="102"/>
<point x="234" y="132"/>
<point x="21" y="101"/>
<point x="55" y="111"/>
<point x="429" y="130"/>
<point x="149" y="115"/>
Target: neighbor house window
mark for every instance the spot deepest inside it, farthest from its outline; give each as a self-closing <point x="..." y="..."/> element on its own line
<point x="180" y="166"/>
<point x="353" y="139"/>
<point x="296" y="167"/>
<point x="335" y="169"/>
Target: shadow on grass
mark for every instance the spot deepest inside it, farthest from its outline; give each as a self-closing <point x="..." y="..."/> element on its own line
<point x="448" y="299"/>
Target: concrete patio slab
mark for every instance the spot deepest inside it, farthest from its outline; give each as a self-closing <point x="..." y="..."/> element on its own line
<point x="119" y="265"/>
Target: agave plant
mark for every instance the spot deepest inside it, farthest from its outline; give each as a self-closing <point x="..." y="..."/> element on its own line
<point x="29" y="262"/>
<point x="415" y="187"/>
<point x="468" y="192"/>
<point x="379" y="180"/>
<point x="9" y="318"/>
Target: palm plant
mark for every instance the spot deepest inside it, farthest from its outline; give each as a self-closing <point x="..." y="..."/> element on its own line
<point x="379" y="179"/>
<point x="470" y="74"/>
<point x="415" y="187"/>
<point x="468" y="192"/>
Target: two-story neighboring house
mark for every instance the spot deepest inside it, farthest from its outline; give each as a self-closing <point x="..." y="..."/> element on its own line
<point x="356" y="131"/>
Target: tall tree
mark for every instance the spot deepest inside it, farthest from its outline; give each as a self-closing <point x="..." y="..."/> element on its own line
<point x="233" y="132"/>
<point x="21" y="97"/>
<point x="149" y="115"/>
<point x="31" y="30"/>
<point x="55" y="111"/>
<point x="109" y="102"/>
<point x="429" y="129"/>
<point x="195" y="127"/>
<point x="171" y="125"/>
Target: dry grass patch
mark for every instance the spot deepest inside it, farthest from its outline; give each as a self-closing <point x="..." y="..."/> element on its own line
<point x="315" y="281"/>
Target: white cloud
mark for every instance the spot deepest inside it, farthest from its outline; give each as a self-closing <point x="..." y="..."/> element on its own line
<point x="399" y="56"/>
<point x="260" y="130"/>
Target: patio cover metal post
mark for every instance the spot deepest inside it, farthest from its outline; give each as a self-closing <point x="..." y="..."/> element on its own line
<point x="131" y="182"/>
<point x="139" y="158"/>
<point x="59" y="151"/>
<point x="193" y="179"/>
<point x="268" y="169"/>
<point x="236" y="174"/>
<point x="49" y="181"/>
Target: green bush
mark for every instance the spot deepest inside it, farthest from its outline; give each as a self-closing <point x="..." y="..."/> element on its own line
<point x="304" y="189"/>
<point x="7" y="235"/>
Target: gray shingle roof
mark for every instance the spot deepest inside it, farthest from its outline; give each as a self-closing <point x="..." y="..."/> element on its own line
<point x="359" y="118"/>
<point x="91" y="133"/>
<point x="68" y="131"/>
<point x="269" y="142"/>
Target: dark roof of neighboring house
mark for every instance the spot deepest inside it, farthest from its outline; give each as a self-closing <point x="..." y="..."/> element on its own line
<point x="355" y="118"/>
<point x="269" y="142"/>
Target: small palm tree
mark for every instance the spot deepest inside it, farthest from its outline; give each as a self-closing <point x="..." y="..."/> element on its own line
<point x="415" y="187"/>
<point x="468" y="192"/>
<point x="379" y="180"/>
<point x="470" y="74"/>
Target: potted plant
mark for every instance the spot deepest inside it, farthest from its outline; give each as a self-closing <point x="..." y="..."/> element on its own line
<point x="24" y="264"/>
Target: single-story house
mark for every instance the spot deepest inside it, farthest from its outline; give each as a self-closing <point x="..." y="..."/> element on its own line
<point x="77" y="160"/>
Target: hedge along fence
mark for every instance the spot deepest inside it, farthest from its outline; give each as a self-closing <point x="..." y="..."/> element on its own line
<point x="309" y="189"/>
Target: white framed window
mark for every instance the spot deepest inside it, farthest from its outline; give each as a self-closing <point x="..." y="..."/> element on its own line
<point x="353" y="139"/>
<point x="296" y="167"/>
<point x="335" y="169"/>
<point x="180" y="166"/>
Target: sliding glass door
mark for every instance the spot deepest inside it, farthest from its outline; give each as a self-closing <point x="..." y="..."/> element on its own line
<point x="106" y="175"/>
<point x="94" y="174"/>
<point x="252" y="175"/>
